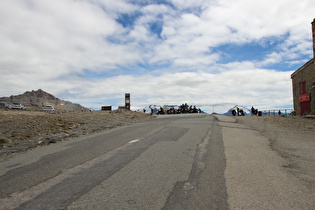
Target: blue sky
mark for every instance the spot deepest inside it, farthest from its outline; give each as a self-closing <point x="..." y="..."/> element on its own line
<point x="209" y="53"/>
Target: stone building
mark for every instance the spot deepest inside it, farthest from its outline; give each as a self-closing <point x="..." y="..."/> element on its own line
<point x="303" y="82"/>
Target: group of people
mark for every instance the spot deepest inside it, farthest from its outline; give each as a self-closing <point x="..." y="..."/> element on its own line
<point x="184" y="108"/>
<point x="254" y="111"/>
<point x="238" y="111"/>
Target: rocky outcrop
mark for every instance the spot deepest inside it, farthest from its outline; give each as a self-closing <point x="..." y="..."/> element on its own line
<point x="40" y="98"/>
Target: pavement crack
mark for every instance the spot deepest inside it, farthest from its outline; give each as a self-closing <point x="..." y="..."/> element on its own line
<point x="199" y="164"/>
<point x="184" y="189"/>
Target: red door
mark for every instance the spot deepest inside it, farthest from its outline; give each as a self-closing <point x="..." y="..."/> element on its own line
<point x="305" y="107"/>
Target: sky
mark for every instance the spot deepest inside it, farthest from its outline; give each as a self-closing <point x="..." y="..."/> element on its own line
<point x="214" y="54"/>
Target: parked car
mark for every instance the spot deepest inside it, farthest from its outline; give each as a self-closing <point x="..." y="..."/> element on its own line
<point x="18" y="106"/>
<point x="49" y="108"/>
<point x="4" y="105"/>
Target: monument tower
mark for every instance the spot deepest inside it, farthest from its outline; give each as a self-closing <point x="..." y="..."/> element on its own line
<point x="127" y="101"/>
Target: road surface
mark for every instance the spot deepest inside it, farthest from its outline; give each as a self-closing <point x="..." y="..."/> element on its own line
<point x="195" y="161"/>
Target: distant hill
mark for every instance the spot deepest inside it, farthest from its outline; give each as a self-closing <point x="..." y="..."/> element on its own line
<point x="40" y="98"/>
<point x="245" y="110"/>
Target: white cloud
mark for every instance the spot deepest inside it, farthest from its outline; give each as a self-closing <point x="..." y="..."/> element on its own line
<point x="190" y="5"/>
<point x="116" y="7"/>
<point x="239" y="85"/>
<point x="60" y="37"/>
<point x="258" y="19"/>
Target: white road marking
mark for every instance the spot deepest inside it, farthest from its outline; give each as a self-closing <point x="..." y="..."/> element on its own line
<point x="133" y="141"/>
<point x="17" y="198"/>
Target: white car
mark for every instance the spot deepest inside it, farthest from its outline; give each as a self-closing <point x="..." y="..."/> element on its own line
<point x="49" y="108"/>
<point x="18" y="106"/>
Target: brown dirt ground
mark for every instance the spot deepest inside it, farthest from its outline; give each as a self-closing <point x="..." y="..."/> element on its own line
<point x="23" y="130"/>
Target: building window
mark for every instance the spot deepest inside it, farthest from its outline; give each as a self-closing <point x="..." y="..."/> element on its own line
<point x="302" y="88"/>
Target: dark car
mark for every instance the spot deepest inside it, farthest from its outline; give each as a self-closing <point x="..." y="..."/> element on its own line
<point x="4" y="105"/>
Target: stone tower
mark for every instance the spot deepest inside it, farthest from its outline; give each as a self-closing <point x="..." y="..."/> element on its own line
<point x="127" y="101"/>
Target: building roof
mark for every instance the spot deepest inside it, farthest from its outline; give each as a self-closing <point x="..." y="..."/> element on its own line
<point x="302" y="67"/>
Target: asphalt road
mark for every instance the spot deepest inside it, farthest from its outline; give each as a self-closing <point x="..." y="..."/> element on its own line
<point x="172" y="162"/>
<point x="195" y="161"/>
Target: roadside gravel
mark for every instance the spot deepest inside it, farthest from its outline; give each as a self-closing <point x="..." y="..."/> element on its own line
<point x="24" y="130"/>
<point x="293" y="138"/>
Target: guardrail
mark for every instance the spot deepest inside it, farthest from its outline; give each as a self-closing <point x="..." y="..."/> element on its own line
<point x="275" y="112"/>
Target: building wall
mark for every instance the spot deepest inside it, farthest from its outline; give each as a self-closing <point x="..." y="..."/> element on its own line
<point x="305" y="73"/>
<point x="313" y="33"/>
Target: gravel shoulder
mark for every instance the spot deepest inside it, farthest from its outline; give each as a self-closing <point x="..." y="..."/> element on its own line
<point x="293" y="138"/>
<point x="24" y="130"/>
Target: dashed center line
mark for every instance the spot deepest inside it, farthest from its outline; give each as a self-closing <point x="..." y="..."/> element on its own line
<point x="133" y="141"/>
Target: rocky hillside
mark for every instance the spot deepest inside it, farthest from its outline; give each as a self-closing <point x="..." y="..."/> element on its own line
<point x="39" y="98"/>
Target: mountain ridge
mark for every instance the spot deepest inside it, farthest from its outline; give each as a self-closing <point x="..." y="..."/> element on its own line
<point x="39" y="99"/>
